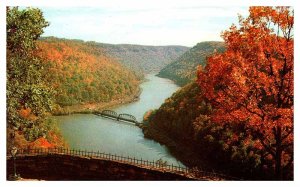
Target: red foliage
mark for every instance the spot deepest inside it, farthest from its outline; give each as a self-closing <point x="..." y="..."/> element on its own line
<point x="252" y="82"/>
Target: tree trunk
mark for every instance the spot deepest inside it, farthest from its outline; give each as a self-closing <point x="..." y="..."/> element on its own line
<point x="278" y="168"/>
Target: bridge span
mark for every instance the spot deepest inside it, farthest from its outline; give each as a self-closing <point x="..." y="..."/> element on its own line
<point x="119" y="117"/>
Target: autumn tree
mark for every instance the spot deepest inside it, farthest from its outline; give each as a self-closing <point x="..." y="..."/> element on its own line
<point x="29" y="96"/>
<point x="252" y="83"/>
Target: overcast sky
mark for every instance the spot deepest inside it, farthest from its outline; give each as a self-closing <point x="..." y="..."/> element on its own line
<point x="143" y="25"/>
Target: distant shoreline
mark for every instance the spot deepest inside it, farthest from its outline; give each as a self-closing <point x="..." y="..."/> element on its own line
<point x="90" y="108"/>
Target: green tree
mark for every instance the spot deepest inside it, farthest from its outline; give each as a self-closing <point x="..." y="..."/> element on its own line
<point x="29" y="97"/>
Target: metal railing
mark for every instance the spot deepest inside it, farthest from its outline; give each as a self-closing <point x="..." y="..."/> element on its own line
<point x="154" y="165"/>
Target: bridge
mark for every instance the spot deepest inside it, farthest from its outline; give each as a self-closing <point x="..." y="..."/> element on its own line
<point x="69" y="164"/>
<point x="119" y="117"/>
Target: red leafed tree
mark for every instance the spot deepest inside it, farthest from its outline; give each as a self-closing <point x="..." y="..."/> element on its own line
<point x="252" y="83"/>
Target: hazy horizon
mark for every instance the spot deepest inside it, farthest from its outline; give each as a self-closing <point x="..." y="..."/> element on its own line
<point x="184" y="26"/>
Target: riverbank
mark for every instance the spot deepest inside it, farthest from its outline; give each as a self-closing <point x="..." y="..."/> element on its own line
<point x="181" y="150"/>
<point x="89" y="108"/>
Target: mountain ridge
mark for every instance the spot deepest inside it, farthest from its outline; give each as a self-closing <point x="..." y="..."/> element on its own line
<point x="183" y="69"/>
<point x="142" y="59"/>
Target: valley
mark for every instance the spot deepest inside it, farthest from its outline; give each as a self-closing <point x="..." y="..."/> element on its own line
<point x="225" y="106"/>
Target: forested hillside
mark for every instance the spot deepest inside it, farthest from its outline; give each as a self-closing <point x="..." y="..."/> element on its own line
<point x="183" y="69"/>
<point x="183" y="124"/>
<point x="83" y="73"/>
<point x="143" y="59"/>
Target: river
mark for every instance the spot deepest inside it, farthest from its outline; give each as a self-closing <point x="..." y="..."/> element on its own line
<point x="90" y="132"/>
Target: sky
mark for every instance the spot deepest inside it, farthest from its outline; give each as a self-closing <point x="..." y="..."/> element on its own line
<point x="145" y="25"/>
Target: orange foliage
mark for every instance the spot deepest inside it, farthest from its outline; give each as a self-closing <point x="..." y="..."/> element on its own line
<point x="41" y="143"/>
<point x="25" y="112"/>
